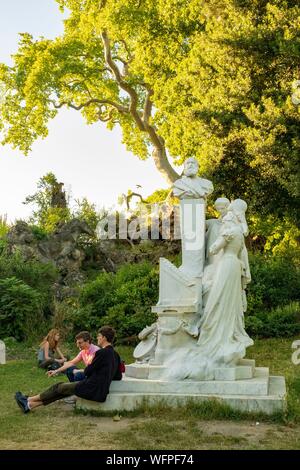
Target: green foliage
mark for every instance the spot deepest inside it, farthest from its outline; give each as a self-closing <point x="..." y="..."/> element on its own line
<point x="4" y="227"/>
<point x="20" y="309"/>
<point x="280" y="236"/>
<point x="45" y="216"/>
<point x="38" y="232"/>
<point x="160" y="195"/>
<point x="220" y="75"/>
<point x="273" y="296"/>
<point x="277" y="323"/>
<point x="122" y="300"/>
<point x="38" y="276"/>
<point x="86" y="211"/>
<point x="275" y="282"/>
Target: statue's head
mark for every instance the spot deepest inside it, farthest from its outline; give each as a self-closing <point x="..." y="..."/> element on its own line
<point x="239" y="207"/>
<point x="191" y="167"/>
<point x="221" y="205"/>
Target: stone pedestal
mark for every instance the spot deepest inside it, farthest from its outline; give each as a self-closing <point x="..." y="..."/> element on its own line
<point x="176" y="326"/>
<point x="245" y="388"/>
<point x="192" y="222"/>
<point x="2" y="353"/>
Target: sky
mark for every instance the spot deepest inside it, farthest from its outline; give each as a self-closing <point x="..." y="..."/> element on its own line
<point x="90" y="160"/>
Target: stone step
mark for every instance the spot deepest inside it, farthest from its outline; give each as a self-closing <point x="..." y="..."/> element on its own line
<point x="137" y="371"/>
<point x="247" y="362"/>
<point x="118" y="401"/>
<point x="245" y="369"/>
<point x="256" y="386"/>
<point x="234" y="373"/>
<point x="277" y="386"/>
<point x="261" y="372"/>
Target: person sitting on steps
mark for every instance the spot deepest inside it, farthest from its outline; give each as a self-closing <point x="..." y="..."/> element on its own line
<point x="86" y="355"/>
<point x="104" y="368"/>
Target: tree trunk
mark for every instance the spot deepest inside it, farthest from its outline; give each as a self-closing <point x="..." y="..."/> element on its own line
<point x="163" y="165"/>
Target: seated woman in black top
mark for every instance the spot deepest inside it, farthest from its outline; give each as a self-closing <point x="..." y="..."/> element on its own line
<point x="104" y="368"/>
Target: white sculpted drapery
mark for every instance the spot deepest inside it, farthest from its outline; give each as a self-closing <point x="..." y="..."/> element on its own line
<point x="222" y="335"/>
<point x="223" y="339"/>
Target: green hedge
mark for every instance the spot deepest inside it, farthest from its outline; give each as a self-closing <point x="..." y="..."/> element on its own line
<point x="122" y="300"/>
<point x="275" y="282"/>
<point x="280" y="322"/>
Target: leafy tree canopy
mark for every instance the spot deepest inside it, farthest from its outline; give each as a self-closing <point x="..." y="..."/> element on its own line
<point x="210" y="78"/>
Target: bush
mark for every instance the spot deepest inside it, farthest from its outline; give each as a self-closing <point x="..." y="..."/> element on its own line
<point x="98" y="294"/>
<point x="126" y="322"/>
<point x="275" y="282"/>
<point x="20" y="309"/>
<point x="280" y="322"/>
<point x="37" y="275"/>
<point x="38" y="232"/>
<point x="122" y="300"/>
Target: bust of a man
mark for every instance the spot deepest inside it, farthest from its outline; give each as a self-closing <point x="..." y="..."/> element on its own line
<point x="191" y="186"/>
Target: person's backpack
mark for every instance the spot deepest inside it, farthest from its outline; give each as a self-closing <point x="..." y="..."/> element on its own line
<point x="122" y="367"/>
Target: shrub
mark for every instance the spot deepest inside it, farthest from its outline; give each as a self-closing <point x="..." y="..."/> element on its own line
<point x="275" y="282"/>
<point x="38" y="232"/>
<point x="20" y="309"/>
<point x="282" y="321"/>
<point x="37" y="275"/>
<point x="98" y="294"/>
<point x="122" y="300"/>
<point x="128" y="322"/>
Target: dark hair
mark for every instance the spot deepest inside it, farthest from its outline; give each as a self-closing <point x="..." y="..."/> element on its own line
<point x="85" y="335"/>
<point x="108" y="332"/>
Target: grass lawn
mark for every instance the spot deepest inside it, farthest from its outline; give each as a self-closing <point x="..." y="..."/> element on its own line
<point x="58" y="426"/>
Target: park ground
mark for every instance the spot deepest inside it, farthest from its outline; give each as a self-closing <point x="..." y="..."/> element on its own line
<point x="209" y="426"/>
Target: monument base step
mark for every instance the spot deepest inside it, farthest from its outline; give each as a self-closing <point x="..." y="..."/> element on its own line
<point x="118" y="401"/>
<point x="245" y="369"/>
<point x="258" y="386"/>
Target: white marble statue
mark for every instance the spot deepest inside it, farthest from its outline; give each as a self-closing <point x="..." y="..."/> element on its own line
<point x="213" y="227"/>
<point x="144" y="351"/>
<point x="192" y="192"/>
<point x="223" y="340"/>
<point x="191" y="186"/>
<point x="239" y="207"/>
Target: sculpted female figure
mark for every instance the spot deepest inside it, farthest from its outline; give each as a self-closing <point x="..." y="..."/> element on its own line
<point x="223" y="339"/>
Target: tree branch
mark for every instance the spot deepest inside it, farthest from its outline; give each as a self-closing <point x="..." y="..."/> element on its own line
<point x="147" y="107"/>
<point x="159" y="154"/>
<point x="119" y="107"/>
<point x="130" y="56"/>
<point x="125" y="86"/>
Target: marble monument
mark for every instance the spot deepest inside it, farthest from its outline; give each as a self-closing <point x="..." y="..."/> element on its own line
<point x="196" y="349"/>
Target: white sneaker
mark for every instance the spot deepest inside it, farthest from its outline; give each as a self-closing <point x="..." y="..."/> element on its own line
<point x="70" y="400"/>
